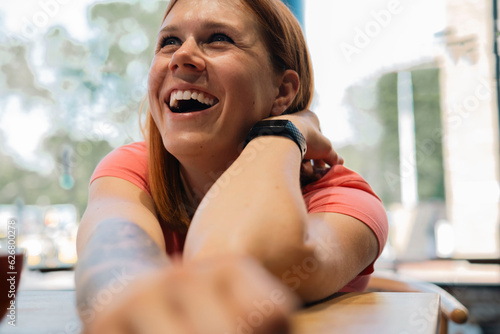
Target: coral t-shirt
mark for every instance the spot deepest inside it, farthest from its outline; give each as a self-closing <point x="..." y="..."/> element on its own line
<point x="340" y="190"/>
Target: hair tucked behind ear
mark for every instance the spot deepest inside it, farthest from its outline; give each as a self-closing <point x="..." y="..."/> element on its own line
<point x="287" y="49"/>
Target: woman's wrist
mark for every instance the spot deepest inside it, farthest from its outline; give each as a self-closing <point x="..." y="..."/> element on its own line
<point x="275" y="146"/>
<point x="278" y="128"/>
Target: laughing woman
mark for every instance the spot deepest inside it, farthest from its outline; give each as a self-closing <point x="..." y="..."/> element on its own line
<point x="220" y="213"/>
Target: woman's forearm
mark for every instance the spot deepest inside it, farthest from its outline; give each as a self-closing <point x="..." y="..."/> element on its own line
<point x="255" y="208"/>
<point x="117" y="253"/>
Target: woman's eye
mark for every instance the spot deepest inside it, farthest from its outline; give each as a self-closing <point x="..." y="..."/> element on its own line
<point x="220" y="38"/>
<point x="168" y="41"/>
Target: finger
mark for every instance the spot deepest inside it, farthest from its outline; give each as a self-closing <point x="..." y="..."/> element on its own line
<point x="318" y="163"/>
<point x="320" y="169"/>
<point x="220" y="299"/>
<point x="110" y="326"/>
<point x="306" y="168"/>
<point x="340" y="160"/>
<point x="176" y="301"/>
<point x="157" y="320"/>
<point x="111" y="322"/>
<point x="269" y="289"/>
<point x="207" y="309"/>
<point x="261" y="311"/>
<point x="159" y="310"/>
<point x="331" y="158"/>
<point x="240" y="296"/>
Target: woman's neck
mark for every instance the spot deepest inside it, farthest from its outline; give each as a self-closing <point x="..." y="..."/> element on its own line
<point x="198" y="177"/>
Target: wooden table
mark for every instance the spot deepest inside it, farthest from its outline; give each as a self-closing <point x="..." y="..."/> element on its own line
<point x="372" y="312"/>
<point x="53" y="312"/>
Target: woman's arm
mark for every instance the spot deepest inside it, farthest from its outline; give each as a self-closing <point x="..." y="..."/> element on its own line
<point x="256" y="208"/>
<point x="126" y="284"/>
<point x="115" y="198"/>
<point x="119" y="242"/>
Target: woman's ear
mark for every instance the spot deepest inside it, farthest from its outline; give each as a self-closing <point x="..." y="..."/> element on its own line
<point x="288" y="88"/>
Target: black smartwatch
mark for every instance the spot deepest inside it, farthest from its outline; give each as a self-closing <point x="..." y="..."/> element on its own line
<point x="281" y="128"/>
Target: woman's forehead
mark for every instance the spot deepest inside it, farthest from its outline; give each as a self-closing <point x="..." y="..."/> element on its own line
<point x="214" y="7"/>
<point x="211" y="14"/>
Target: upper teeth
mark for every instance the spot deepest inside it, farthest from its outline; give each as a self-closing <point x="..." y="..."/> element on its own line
<point x="178" y="95"/>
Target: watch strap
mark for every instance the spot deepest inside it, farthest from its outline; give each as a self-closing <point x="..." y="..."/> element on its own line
<point x="281" y="128"/>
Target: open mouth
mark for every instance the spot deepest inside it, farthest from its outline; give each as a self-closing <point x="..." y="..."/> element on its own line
<point x="186" y="101"/>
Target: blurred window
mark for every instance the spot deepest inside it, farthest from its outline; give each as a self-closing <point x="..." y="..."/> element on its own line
<point x="406" y="91"/>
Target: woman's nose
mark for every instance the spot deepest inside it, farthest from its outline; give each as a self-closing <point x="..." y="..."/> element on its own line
<point x="187" y="57"/>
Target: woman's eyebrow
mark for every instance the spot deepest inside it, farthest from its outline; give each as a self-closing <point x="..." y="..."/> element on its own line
<point x="168" y="29"/>
<point x="208" y="25"/>
<point x="218" y="25"/>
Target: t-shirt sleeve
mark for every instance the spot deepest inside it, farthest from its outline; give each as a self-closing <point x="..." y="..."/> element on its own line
<point x="128" y="162"/>
<point x="344" y="191"/>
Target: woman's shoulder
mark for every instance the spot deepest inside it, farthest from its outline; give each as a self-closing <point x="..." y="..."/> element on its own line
<point x="126" y="156"/>
<point x="137" y="148"/>
<point x="128" y="162"/>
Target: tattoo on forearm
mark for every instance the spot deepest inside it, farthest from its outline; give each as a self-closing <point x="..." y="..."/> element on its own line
<point x="116" y="253"/>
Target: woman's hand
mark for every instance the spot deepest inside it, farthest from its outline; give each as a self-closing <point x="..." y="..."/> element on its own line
<point x="223" y="295"/>
<point x="319" y="149"/>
